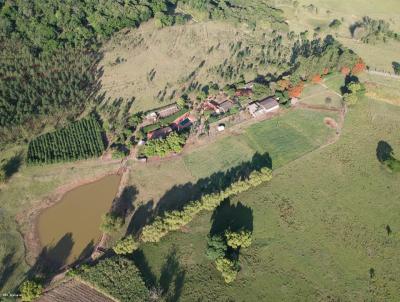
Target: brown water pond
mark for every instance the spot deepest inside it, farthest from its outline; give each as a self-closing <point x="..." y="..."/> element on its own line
<point x="69" y="229"/>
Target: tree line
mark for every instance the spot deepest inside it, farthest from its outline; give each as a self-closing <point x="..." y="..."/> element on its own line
<point x="174" y="220"/>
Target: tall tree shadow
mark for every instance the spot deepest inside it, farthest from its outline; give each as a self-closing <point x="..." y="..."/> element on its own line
<point x="7" y="269"/>
<point x="52" y="259"/>
<point x="172" y="273"/>
<point x="180" y="195"/>
<point x="143" y="265"/>
<point x="86" y="252"/>
<point x="140" y="218"/>
<point x="383" y="151"/>
<point x="234" y="217"/>
<point x="12" y="165"/>
<point x="125" y="203"/>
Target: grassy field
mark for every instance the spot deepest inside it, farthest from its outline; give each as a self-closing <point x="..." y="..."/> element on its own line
<point x="379" y="56"/>
<point x="325" y="228"/>
<point x="158" y="184"/>
<point x="382" y="88"/>
<point x="159" y="64"/>
<point x="284" y="138"/>
<point x="316" y="94"/>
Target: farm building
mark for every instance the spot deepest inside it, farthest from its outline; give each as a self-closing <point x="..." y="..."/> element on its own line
<point x="167" y="110"/>
<point x="244" y="92"/>
<point x="269" y="104"/>
<point x="221" y="103"/>
<point x="184" y="121"/>
<point x="264" y="106"/>
<point x="159" y="133"/>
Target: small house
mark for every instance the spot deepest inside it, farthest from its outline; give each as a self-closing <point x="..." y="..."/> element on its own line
<point x="220" y="103"/>
<point x="184" y="121"/>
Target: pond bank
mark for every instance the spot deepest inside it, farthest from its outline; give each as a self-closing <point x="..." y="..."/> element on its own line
<point x="28" y="219"/>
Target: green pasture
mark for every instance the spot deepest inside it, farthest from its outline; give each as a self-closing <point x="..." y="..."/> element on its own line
<point x="326" y="228"/>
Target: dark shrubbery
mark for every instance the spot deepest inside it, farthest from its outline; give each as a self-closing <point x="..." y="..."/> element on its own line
<point x="118" y="277"/>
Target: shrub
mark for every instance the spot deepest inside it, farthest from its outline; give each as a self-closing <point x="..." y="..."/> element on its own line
<point x="174" y="142"/>
<point x="238" y="239"/>
<point x="295" y="91"/>
<point x="316" y="79"/>
<point x="216" y="247"/>
<point x="335" y="24"/>
<point x="30" y="290"/>
<point x="345" y="70"/>
<point x="358" y="67"/>
<point x="117" y="276"/>
<point x="228" y="269"/>
<point x="111" y="223"/>
<point x="126" y="246"/>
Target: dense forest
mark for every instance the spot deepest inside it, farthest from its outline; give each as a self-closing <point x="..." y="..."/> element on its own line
<point x="48" y="52"/>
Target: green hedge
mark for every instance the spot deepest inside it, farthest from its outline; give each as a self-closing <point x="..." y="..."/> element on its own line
<point x="174" y="220"/>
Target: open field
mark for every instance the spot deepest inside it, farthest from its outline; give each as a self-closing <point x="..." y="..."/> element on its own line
<point x="158" y="65"/>
<point x="325" y="228"/>
<point x="324" y="94"/>
<point x="284" y="138"/>
<point x="382" y="88"/>
<point x="164" y="183"/>
<point x="306" y="17"/>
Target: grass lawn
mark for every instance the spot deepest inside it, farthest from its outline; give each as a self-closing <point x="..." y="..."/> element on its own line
<point x="382" y="88"/>
<point x="324" y="229"/>
<point x="284" y="138"/>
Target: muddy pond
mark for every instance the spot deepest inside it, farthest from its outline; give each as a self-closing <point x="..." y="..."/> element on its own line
<point x="69" y="229"/>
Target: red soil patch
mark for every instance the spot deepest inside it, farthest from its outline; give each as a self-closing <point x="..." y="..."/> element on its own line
<point x="330" y="122"/>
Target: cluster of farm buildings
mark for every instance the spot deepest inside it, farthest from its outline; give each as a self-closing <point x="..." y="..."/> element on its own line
<point x="219" y="105"/>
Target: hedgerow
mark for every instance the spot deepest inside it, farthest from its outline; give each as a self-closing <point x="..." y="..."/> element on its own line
<point x="174" y="220"/>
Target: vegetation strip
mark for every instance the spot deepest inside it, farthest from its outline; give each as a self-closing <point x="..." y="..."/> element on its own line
<point x="174" y="220"/>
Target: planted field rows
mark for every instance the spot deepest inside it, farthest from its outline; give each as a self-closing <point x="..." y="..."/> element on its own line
<point x="79" y="140"/>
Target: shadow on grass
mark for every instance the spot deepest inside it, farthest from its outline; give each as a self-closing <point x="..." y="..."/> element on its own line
<point x="171" y="278"/>
<point x="12" y="165"/>
<point x="383" y="151"/>
<point x="178" y="196"/>
<point x="7" y="269"/>
<point x="124" y="205"/>
<point x="232" y="217"/>
<point x="140" y="218"/>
